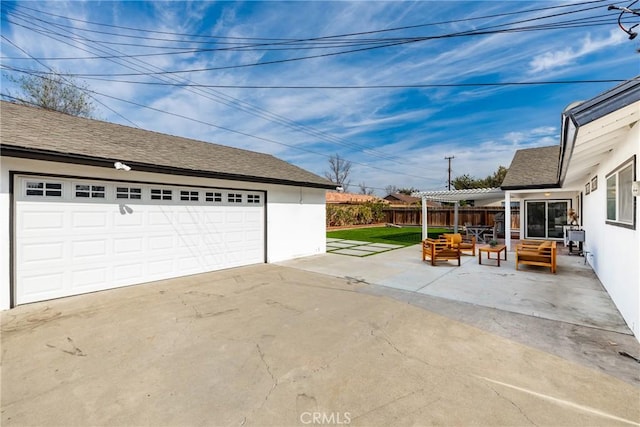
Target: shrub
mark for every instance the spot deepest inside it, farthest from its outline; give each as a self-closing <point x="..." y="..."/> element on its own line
<point x="360" y="214"/>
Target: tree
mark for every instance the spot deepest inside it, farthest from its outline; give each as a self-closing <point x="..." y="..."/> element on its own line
<point x="364" y="189"/>
<point x="338" y="172"/>
<point x="466" y="181"/>
<point x="408" y="191"/>
<point x="54" y="92"/>
<point x="390" y="189"/>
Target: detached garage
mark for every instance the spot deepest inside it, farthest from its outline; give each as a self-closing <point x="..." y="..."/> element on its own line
<point x="89" y="205"/>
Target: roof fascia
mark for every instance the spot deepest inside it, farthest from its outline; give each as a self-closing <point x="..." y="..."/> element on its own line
<point x="531" y="187"/>
<point x="27" y="153"/>
<point x="588" y="112"/>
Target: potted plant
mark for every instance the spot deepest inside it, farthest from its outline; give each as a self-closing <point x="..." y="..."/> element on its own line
<point x="493" y="243"/>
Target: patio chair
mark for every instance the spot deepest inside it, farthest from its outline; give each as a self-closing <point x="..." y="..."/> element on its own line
<point x="537" y="252"/>
<point x="439" y="249"/>
<point x="464" y="243"/>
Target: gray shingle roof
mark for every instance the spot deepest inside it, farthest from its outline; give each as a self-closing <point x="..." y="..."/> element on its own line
<point x="34" y="132"/>
<point x="533" y="168"/>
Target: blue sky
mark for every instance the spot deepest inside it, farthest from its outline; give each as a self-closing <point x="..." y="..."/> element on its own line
<point x="393" y="135"/>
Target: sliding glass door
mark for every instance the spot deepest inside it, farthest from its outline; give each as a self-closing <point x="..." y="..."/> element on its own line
<point x="544" y="219"/>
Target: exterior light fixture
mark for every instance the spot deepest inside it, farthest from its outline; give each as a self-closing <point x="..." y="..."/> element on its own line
<point x="121" y="166"/>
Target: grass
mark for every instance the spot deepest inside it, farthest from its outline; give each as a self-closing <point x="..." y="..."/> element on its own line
<point x="405" y="236"/>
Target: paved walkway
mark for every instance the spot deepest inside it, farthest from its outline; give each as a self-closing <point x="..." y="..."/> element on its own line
<point x="357" y="248"/>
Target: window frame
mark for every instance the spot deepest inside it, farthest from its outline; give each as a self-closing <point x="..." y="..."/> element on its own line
<point x="92" y="192"/>
<point x="160" y="194"/>
<point x="234" y="198"/>
<point x="125" y="192"/>
<point x="615" y="174"/>
<point x="45" y="189"/>
<point x="189" y="196"/>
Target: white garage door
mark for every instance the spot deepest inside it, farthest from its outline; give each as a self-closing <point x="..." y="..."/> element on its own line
<point x="74" y="236"/>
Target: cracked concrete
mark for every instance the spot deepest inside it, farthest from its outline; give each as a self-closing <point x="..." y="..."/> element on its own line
<point x="279" y="345"/>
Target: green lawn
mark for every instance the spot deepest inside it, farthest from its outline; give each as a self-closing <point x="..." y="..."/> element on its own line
<point x="405" y="236"/>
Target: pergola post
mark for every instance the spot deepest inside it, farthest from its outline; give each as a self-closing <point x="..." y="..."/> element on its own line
<point x="455" y="216"/>
<point x="425" y="227"/>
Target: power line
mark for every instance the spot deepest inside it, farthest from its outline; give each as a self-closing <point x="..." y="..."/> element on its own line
<point x="391" y="43"/>
<point x="329" y="87"/>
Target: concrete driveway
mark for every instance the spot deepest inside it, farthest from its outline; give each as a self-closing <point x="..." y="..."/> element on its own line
<point x="275" y="345"/>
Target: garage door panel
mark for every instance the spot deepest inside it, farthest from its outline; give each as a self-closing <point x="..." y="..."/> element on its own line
<point x="91" y="277"/>
<point x="39" y="284"/>
<point x="64" y="247"/>
<point x="160" y="218"/>
<point x="89" y="220"/>
<point x="42" y="252"/>
<point x="161" y="243"/>
<point x="39" y="221"/>
<point x="128" y="246"/>
<point x="128" y="219"/>
<point x="129" y="273"/>
<point x="87" y="249"/>
<point x="161" y="267"/>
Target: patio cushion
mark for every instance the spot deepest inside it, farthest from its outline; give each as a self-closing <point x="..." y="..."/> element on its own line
<point x="544" y="247"/>
<point x="454" y="238"/>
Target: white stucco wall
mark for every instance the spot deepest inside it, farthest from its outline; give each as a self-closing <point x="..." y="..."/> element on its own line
<point x="614" y="252"/>
<point x="295" y="223"/>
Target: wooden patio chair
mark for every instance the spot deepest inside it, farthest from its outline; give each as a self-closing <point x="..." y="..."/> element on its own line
<point x="464" y="243"/>
<point x="439" y="250"/>
<point x="537" y="252"/>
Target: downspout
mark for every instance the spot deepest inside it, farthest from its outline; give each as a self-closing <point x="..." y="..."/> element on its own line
<point x="507" y="220"/>
<point x="425" y="227"/>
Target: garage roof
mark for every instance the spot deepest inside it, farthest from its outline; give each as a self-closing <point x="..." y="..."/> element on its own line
<point x="31" y="132"/>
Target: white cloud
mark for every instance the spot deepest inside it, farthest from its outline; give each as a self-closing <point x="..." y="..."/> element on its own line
<point x="569" y="55"/>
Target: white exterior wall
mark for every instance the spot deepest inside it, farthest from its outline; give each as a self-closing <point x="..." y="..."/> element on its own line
<point x="614" y="252"/>
<point x="295" y="223"/>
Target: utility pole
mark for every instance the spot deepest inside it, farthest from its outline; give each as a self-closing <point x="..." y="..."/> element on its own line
<point x="449" y="158"/>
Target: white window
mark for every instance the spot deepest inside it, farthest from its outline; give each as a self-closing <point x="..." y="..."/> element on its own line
<point x="159" y="194"/>
<point x="90" y="191"/>
<point x="234" y="198"/>
<point x="191" y="196"/>
<point x="253" y="198"/>
<point x="620" y="201"/>
<point x="128" y="193"/>
<point x="45" y="189"/>
<point x="213" y="197"/>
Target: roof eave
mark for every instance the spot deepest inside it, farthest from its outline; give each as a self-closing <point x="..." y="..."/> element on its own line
<point x="530" y="187"/>
<point x="53" y="156"/>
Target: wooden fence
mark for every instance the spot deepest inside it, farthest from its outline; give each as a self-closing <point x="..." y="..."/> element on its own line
<point x="444" y="216"/>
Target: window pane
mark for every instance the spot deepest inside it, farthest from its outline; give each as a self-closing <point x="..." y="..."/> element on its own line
<point x="625" y="201"/>
<point x="611" y="198"/>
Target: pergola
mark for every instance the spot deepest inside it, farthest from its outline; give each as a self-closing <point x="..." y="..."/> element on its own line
<point x="455" y="196"/>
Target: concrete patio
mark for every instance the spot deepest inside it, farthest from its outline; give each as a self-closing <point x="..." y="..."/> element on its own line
<point x="568" y="314"/>
<point x="573" y="295"/>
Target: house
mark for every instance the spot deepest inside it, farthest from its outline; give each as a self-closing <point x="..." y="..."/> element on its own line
<point x="87" y="205"/>
<point x="402" y="200"/>
<point x="592" y="173"/>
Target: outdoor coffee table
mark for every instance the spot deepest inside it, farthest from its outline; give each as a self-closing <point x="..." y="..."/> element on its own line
<point x="492" y="249"/>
